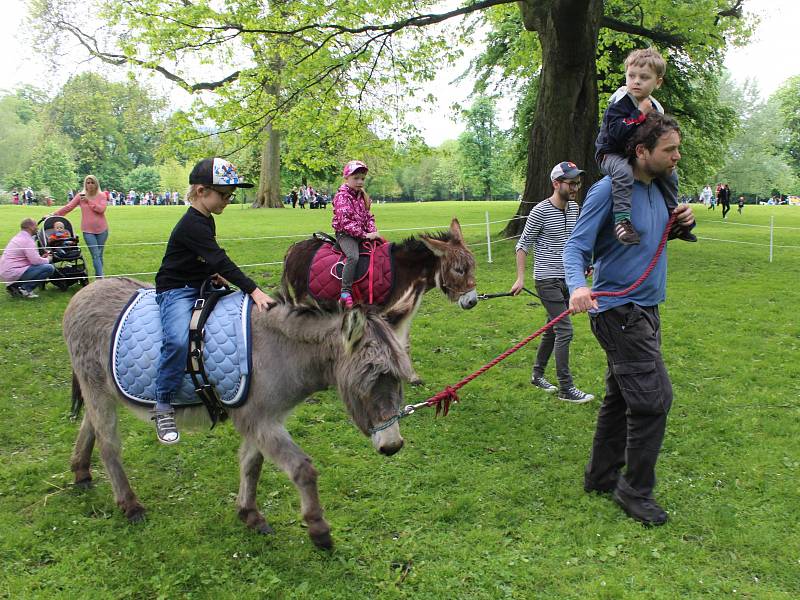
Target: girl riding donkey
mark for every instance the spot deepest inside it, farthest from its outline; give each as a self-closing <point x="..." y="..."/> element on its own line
<point x="352" y="223"/>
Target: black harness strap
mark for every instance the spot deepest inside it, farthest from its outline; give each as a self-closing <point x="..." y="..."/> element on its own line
<point x="209" y="295"/>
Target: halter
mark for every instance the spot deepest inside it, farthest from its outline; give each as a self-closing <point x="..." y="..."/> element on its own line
<point x="387" y="423"/>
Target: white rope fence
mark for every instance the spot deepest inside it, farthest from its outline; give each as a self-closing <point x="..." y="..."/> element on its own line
<point x="488" y="243"/>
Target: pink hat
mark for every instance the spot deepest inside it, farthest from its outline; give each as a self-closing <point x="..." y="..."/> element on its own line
<point x="352" y="167"/>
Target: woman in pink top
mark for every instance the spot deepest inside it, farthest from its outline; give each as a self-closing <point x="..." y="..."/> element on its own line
<point x="94" y="226"/>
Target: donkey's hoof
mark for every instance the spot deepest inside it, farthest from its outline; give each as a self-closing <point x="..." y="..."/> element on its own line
<point x="135" y="514"/>
<point x="84" y="484"/>
<point x="322" y="540"/>
<point x="264" y="529"/>
<point x="255" y="520"/>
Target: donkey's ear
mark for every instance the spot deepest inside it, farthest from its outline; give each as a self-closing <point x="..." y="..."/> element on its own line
<point x="455" y="230"/>
<point x="438" y="247"/>
<point x="352" y="329"/>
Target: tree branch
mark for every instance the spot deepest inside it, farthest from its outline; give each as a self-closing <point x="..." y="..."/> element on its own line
<point x="664" y="37"/>
<point x="91" y="45"/>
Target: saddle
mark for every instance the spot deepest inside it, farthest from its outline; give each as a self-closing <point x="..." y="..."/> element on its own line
<point x="374" y="279"/>
<point x="222" y="355"/>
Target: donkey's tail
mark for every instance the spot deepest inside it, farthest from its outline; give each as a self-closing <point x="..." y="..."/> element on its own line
<point x="77" y="398"/>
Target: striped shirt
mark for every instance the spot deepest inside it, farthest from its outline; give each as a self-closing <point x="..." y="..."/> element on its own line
<point x="547" y="230"/>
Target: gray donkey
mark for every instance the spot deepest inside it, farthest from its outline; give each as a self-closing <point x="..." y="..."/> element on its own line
<point x="296" y="351"/>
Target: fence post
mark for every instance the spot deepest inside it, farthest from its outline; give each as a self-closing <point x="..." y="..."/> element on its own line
<point x="488" y="237"/>
<point x="771" y="235"/>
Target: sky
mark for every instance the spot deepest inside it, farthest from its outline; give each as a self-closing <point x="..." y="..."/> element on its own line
<point x="769" y="59"/>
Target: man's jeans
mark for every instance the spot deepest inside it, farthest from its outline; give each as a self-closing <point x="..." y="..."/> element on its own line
<point x="175" y="307"/>
<point x="96" y="243"/>
<point x="554" y="295"/>
<point x="633" y="417"/>
<point x="33" y="276"/>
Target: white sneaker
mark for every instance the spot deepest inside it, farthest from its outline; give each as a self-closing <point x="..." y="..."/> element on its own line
<point x="26" y="294"/>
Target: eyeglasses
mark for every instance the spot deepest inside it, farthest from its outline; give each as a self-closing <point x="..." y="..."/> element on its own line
<point x="227" y="196"/>
<point x="573" y="185"/>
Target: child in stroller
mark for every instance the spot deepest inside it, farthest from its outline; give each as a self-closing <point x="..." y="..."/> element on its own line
<point x="57" y="235"/>
<point x="60" y="238"/>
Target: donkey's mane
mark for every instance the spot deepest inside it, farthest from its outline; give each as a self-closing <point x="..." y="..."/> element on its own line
<point x="415" y="244"/>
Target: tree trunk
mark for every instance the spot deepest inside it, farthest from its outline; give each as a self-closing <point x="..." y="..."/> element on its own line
<point x="566" y="119"/>
<point x="269" y="182"/>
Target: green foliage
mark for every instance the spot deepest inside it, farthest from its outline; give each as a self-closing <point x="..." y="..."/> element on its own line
<point x="52" y="170"/>
<point x="787" y="103"/>
<point x="19" y="131"/>
<point x="757" y="163"/>
<point x="144" y="179"/>
<point x="484" y="504"/>
<point x="173" y="176"/>
<point x="482" y="146"/>
<point x="113" y="127"/>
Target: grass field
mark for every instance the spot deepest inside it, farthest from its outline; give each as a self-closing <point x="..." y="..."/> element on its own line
<point x="486" y="503"/>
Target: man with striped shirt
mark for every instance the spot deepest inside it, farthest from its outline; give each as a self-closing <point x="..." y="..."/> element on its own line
<point x="549" y="225"/>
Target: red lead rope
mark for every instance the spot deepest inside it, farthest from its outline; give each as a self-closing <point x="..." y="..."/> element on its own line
<point x="448" y="395"/>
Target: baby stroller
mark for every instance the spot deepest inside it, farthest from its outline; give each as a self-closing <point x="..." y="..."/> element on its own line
<point x="66" y="254"/>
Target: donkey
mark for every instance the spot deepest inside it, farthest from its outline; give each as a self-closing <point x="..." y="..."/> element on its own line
<point x="440" y="260"/>
<point x="296" y="351"/>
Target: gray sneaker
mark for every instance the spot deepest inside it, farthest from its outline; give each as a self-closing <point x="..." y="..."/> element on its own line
<point x="542" y="383"/>
<point x="574" y="395"/>
<point x="27" y="294"/>
<point x="166" y="430"/>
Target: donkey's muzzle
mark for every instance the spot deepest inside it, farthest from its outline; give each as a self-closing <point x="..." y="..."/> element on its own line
<point x="388" y="441"/>
<point x="468" y="300"/>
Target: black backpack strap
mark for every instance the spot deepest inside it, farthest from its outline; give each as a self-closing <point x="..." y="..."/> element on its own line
<point x="209" y="296"/>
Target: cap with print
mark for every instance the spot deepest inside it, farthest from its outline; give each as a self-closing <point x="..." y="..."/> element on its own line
<point x="565" y="170"/>
<point x="353" y="166"/>
<point x="217" y="171"/>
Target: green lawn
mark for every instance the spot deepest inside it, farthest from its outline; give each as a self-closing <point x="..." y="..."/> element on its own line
<point x="486" y="503"/>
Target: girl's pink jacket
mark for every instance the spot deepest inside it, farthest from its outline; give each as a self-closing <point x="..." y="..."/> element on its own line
<point x="350" y="215"/>
<point x="93" y="218"/>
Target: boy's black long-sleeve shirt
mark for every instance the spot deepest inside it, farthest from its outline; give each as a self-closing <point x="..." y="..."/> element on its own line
<point x="193" y="255"/>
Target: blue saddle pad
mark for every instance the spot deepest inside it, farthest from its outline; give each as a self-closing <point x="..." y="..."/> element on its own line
<point x="136" y="346"/>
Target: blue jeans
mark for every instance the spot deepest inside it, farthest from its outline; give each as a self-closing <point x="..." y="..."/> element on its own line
<point x="33" y="275"/>
<point x="175" y="307"/>
<point x="96" y="243"/>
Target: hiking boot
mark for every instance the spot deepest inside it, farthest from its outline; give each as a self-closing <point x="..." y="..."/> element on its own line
<point x="166" y="430"/>
<point x="346" y="300"/>
<point x="625" y="233"/>
<point x="574" y="395"/>
<point x="27" y="293"/>
<point x="646" y="511"/>
<point x="541" y="382"/>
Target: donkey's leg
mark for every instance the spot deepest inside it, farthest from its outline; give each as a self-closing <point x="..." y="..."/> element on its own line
<point x="102" y="412"/>
<point x="250" y="462"/>
<point x="276" y="443"/>
<point x="82" y="454"/>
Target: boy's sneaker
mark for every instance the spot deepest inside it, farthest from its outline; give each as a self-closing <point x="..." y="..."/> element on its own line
<point x="625" y="233"/>
<point x="574" y="395"/>
<point x="346" y="300"/>
<point x="166" y="430"/>
<point x="541" y="382"/>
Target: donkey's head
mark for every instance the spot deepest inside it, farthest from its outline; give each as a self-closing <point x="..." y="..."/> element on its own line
<point x="456" y="273"/>
<point x="370" y="374"/>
